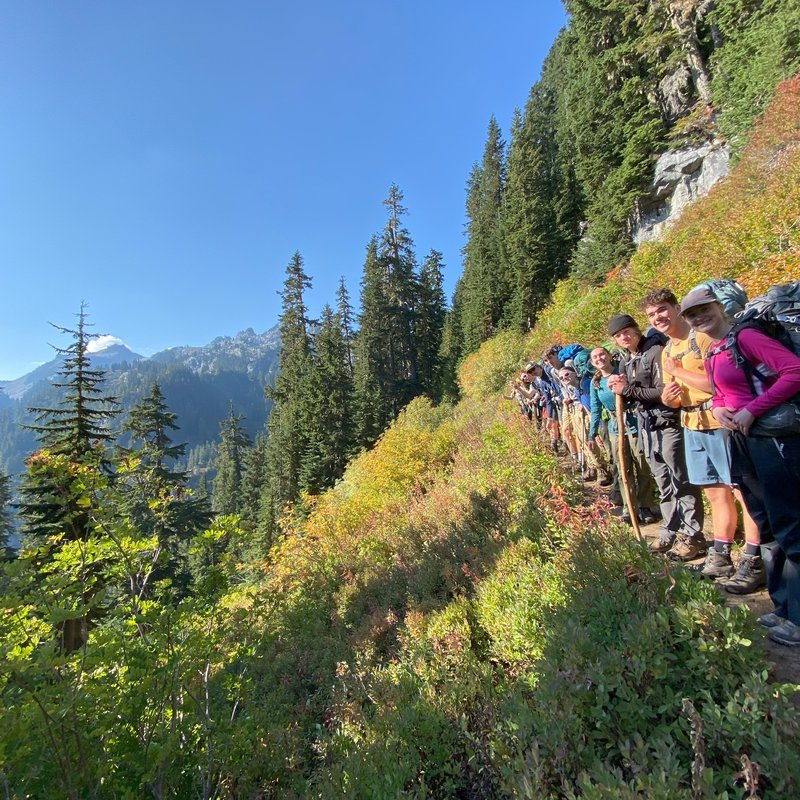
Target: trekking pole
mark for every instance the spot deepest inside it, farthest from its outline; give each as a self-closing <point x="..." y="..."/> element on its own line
<point x="623" y="466"/>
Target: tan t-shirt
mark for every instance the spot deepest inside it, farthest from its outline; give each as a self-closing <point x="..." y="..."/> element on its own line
<point x="693" y="418"/>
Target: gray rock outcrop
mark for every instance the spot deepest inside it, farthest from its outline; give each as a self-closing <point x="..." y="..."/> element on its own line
<point x="681" y="177"/>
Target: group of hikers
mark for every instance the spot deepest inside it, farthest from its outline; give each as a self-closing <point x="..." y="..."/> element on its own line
<point x="709" y="404"/>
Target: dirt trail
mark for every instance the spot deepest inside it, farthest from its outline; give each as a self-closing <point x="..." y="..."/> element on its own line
<point x="784" y="661"/>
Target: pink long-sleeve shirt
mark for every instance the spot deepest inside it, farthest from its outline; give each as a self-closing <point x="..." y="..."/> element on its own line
<point x="780" y="367"/>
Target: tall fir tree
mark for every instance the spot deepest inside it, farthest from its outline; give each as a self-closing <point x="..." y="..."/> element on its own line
<point x="429" y="324"/>
<point x="372" y="374"/>
<point x="78" y="429"/>
<point x="397" y="264"/>
<point x="178" y="515"/>
<point x="486" y="281"/>
<point x="6" y="525"/>
<point x="234" y="444"/>
<point x="292" y="412"/>
<point x="331" y="438"/>
<point x="346" y="319"/>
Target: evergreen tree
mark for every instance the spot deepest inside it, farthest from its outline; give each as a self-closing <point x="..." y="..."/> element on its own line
<point x="76" y="430"/>
<point x="331" y="439"/>
<point x="429" y="323"/>
<point x="6" y="525"/>
<point x="178" y="515"/>
<point x="372" y="375"/>
<point x="234" y="444"/>
<point x="292" y="414"/>
<point x="397" y="265"/>
<point x="344" y="313"/>
<point x="486" y="282"/>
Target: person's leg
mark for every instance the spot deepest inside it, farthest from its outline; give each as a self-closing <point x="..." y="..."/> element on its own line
<point x="750" y="574"/>
<point x="777" y="466"/>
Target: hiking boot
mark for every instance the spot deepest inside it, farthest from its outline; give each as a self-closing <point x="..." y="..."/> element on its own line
<point x="750" y="577"/>
<point x="604" y="478"/>
<point x="664" y="542"/>
<point x="717" y="565"/>
<point x="647" y="517"/>
<point x="770" y="620"/>
<point x="686" y="549"/>
<point x="787" y="633"/>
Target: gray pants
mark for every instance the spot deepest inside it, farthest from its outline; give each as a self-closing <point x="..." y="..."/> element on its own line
<point x="681" y="503"/>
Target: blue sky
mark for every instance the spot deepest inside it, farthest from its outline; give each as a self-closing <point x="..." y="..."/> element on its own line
<point x="163" y="160"/>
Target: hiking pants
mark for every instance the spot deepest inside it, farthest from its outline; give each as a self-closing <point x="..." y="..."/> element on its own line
<point x="681" y="503"/>
<point x="768" y="473"/>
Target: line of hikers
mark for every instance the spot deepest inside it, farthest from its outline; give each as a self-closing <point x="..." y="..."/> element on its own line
<point x="711" y="404"/>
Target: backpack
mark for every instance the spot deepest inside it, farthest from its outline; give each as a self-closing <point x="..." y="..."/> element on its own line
<point x="732" y="296"/>
<point x="777" y="315"/>
<point x="582" y="363"/>
<point x="569" y="351"/>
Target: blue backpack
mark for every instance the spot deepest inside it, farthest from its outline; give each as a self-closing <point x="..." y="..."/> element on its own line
<point x="569" y="351"/>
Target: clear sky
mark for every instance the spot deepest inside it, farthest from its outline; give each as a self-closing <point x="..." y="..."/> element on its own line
<point x="163" y="160"/>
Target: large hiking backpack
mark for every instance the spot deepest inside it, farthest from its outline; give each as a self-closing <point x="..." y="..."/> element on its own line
<point x="569" y="351"/>
<point x="776" y="313"/>
<point x="732" y="296"/>
<point x="582" y="363"/>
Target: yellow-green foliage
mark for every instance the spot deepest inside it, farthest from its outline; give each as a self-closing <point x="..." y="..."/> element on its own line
<point x="486" y="371"/>
<point x="747" y="228"/>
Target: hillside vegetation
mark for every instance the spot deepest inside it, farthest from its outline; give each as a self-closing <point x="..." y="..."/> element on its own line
<point x="452" y="619"/>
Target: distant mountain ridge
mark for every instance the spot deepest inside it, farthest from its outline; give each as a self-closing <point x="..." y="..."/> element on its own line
<point x="200" y="384"/>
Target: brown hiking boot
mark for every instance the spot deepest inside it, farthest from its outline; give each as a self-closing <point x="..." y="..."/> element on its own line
<point x="663" y="543"/>
<point x="686" y="549"/>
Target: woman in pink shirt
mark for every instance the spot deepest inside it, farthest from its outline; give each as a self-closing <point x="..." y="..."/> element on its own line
<point x="749" y="377"/>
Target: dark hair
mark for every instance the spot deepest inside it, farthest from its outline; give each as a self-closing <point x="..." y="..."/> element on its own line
<point x="655" y="297"/>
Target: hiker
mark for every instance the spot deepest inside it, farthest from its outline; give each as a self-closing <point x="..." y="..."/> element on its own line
<point x="523" y="393"/>
<point x="754" y="378"/>
<point x="593" y="465"/>
<point x="559" y="428"/>
<point x="687" y="388"/>
<point x="660" y="438"/>
<point x="638" y="473"/>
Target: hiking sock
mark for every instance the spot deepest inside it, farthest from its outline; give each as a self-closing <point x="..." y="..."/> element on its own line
<point x="752" y="549"/>
<point x="722" y="547"/>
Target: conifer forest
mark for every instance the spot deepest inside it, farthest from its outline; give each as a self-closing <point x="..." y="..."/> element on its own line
<point x="393" y="589"/>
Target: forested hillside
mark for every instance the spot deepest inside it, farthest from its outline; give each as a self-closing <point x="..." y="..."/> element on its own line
<point x="389" y="594"/>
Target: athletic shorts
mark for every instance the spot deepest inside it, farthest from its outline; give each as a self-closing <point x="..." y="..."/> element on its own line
<point x="552" y="410"/>
<point x="708" y="457"/>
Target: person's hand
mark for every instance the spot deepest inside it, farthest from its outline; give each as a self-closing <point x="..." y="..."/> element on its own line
<point x="671" y="394"/>
<point x="617" y="383"/>
<point x="671" y="364"/>
<point x="724" y="416"/>
<point x="743" y="419"/>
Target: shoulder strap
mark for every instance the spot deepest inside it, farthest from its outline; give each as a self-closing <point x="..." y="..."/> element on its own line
<point x="693" y="343"/>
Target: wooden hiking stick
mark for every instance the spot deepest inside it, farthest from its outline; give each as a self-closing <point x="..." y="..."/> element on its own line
<point x="622" y="441"/>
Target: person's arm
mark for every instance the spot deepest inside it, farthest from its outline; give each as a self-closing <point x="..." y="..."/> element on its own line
<point x="758" y="348"/>
<point x="695" y="380"/>
<point x="649" y="368"/>
<point x="596" y="410"/>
